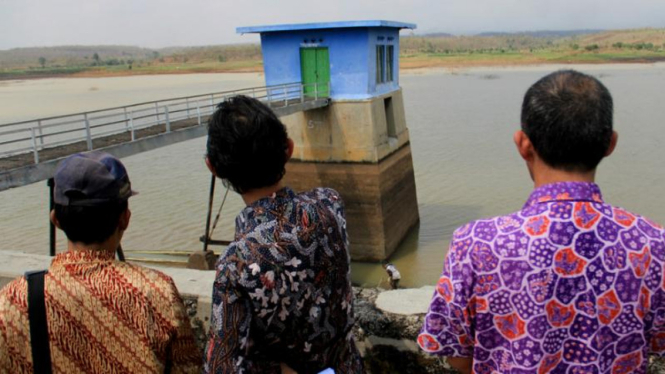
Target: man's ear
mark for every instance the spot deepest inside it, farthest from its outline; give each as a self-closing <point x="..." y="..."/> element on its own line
<point x="613" y="143"/>
<point x="524" y="145"/>
<point x="124" y="219"/>
<point x="289" y="148"/>
<point x="54" y="220"/>
<point x="209" y="165"/>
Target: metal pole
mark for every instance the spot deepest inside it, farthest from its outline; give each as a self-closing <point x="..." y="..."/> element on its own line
<point x="286" y="102"/>
<point x="212" y="103"/>
<point x="34" y="145"/>
<point x="302" y="93"/>
<point x="51" y="185"/>
<point x="157" y="112"/>
<point x="120" y="253"/>
<point x="131" y="124"/>
<point x="41" y="134"/>
<point x="187" y="103"/>
<point x="210" y="199"/>
<point x="316" y="90"/>
<point x="88" y="136"/>
<point x="168" y="123"/>
<point x="198" y="111"/>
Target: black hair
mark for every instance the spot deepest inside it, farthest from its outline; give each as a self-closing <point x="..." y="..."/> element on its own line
<point x="247" y="144"/>
<point x="567" y="116"/>
<point x="90" y="224"/>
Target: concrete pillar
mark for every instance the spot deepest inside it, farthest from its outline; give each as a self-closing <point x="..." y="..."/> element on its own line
<point x="361" y="149"/>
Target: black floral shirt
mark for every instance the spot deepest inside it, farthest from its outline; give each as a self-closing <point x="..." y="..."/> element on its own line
<point x="282" y="292"/>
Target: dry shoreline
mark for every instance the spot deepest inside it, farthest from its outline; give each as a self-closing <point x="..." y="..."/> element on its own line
<point x="408" y="67"/>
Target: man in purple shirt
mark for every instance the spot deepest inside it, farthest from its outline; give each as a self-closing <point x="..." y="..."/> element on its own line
<point x="568" y="284"/>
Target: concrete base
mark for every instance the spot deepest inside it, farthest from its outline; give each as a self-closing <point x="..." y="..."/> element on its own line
<point x="380" y="199"/>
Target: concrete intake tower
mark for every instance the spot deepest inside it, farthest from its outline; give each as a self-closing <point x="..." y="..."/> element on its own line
<point x="359" y="143"/>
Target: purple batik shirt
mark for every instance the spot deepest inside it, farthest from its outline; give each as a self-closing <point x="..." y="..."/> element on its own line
<point x="569" y="284"/>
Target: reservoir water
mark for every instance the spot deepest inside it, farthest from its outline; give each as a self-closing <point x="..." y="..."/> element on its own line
<point x="461" y="125"/>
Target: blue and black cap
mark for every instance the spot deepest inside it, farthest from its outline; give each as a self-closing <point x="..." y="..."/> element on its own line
<point x="91" y="179"/>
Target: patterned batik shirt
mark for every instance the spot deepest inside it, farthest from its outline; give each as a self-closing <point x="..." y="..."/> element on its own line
<point x="569" y="284"/>
<point x="104" y="316"/>
<point x="282" y="292"/>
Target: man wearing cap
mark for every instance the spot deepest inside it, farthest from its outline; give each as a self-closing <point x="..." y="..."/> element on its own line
<point x="102" y="315"/>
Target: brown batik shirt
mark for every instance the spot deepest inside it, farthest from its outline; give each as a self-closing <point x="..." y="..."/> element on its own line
<point x="104" y="316"/>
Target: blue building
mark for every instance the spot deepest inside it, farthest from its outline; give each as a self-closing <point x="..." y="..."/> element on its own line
<point x="358" y="142"/>
<point x="360" y="59"/>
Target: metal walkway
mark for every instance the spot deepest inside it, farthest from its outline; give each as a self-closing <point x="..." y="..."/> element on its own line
<point x="30" y="150"/>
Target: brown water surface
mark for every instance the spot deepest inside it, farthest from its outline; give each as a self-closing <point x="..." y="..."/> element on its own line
<point x="461" y="124"/>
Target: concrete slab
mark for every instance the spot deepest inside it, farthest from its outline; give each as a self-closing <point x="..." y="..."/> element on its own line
<point x="406" y="301"/>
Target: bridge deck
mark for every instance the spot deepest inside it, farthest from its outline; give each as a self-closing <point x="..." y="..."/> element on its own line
<point x="21" y="169"/>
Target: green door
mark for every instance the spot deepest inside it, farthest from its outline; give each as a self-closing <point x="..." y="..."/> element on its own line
<point x="315" y="71"/>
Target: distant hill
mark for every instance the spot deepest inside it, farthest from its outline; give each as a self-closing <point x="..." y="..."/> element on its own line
<point x="543" y="33"/>
<point x="634" y="36"/>
<point x="120" y="55"/>
<point x="68" y="55"/>
<point x="431" y="49"/>
<point x="431" y="35"/>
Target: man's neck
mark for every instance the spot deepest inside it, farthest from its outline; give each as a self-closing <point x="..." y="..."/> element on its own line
<point x="259" y="193"/>
<point x="110" y="245"/>
<point x="544" y="174"/>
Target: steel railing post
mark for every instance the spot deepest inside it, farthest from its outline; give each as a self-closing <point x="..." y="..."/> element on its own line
<point x="131" y="124"/>
<point x="302" y="93"/>
<point x="316" y="91"/>
<point x="212" y="103"/>
<point x="187" y="103"/>
<point x="286" y="101"/>
<point x="157" y="113"/>
<point x="198" y="111"/>
<point x="126" y="119"/>
<point x="88" y="135"/>
<point x="41" y="134"/>
<point x="168" y="123"/>
<point x="34" y="145"/>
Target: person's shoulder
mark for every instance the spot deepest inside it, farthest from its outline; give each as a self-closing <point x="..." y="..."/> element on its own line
<point x="320" y="194"/>
<point x="653" y="230"/>
<point x="14" y="292"/>
<point x="487" y="229"/>
<point x="149" y="277"/>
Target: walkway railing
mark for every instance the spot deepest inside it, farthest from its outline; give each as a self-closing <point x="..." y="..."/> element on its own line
<point x="36" y="135"/>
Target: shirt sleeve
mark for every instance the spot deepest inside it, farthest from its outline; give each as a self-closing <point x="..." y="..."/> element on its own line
<point x="184" y="355"/>
<point x="448" y="326"/>
<point x="655" y="304"/>
<point x="229" y="323"/>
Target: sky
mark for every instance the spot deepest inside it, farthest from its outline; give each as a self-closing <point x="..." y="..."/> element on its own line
<point x="163" y="23"/>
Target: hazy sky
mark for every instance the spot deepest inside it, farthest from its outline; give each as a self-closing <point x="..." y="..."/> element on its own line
<point x="161" y="23"/>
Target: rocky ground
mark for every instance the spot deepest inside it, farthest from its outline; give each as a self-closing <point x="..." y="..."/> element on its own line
<point x="386" y="340"/>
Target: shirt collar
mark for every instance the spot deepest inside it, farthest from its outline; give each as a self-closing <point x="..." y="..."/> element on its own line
<point x="268" y="201"/>
<point x="82" y="256"/>
<point x="565" y="191"/>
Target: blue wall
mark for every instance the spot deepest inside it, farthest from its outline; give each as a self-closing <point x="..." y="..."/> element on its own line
<point x="352" y="58"/>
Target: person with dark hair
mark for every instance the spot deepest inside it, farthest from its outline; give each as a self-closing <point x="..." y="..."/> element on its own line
<point x="282" y="297"/>
<point x="101" y="315"/>
<point x="568" y="284"/>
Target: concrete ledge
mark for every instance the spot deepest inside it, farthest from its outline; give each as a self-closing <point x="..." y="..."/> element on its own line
<point x="406" y="301"/>
<point x="193" y="283"/>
